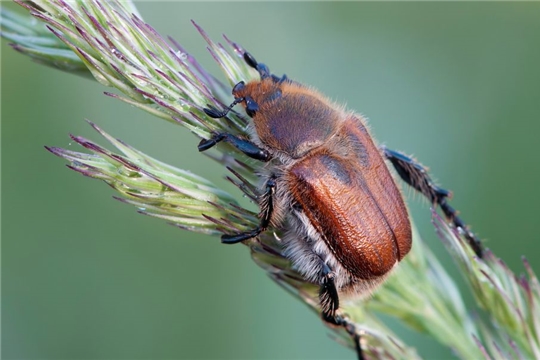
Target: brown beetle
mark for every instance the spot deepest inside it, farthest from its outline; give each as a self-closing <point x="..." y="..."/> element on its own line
<point x="348" y="226"/>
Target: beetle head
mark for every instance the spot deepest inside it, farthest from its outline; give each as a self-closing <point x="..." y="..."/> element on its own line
<point x="288" y="117"/>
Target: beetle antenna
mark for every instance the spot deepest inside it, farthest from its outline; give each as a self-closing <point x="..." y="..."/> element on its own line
<point x="213" y="113"/>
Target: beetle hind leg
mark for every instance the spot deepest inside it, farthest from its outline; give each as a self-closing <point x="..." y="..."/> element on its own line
<point x="415" y="175"/>
<point x="328" y="296"/>
<point x="329" y="301"/>
<point x="312" y="262"/>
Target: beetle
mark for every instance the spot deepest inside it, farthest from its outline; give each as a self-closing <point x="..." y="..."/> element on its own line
<point x="327" y="179"/>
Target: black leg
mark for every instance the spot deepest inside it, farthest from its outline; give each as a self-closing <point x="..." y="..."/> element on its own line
<point x="329" y="301"/>
<point x="414" y="174"/>
<point x="245" y="146"/>
<point x="278" y="79"/>
<point x="267" y="209"/>
<point x="328" y="296"/>
<point x="263" y="70"/>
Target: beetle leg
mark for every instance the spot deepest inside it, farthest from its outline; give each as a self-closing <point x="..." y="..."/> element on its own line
<point x="414" y="174"/>
<point x="328" y="296"/>
<point x="263" y="70"/>
<point x="267" y="209"/>
<point x="245" y="146"/>
<point x="329" y="301"/>
<point x="279" y="80"/>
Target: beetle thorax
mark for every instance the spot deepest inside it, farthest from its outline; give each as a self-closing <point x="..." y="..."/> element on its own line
<point x="291" y="118"/>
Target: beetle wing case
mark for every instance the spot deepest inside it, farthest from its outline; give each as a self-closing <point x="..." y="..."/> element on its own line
<point x="352" y="212"/>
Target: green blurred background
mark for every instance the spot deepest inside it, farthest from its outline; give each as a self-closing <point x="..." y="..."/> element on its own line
<point x="86" y="277"/>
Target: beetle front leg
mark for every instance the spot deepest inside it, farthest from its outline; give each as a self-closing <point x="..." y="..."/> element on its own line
<point x="329" y="301"/>
<point x="414" y="174"/>
<point x="245" y="146"/>
<point x="263" y="70"/>
<point x="267" y="209"/>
